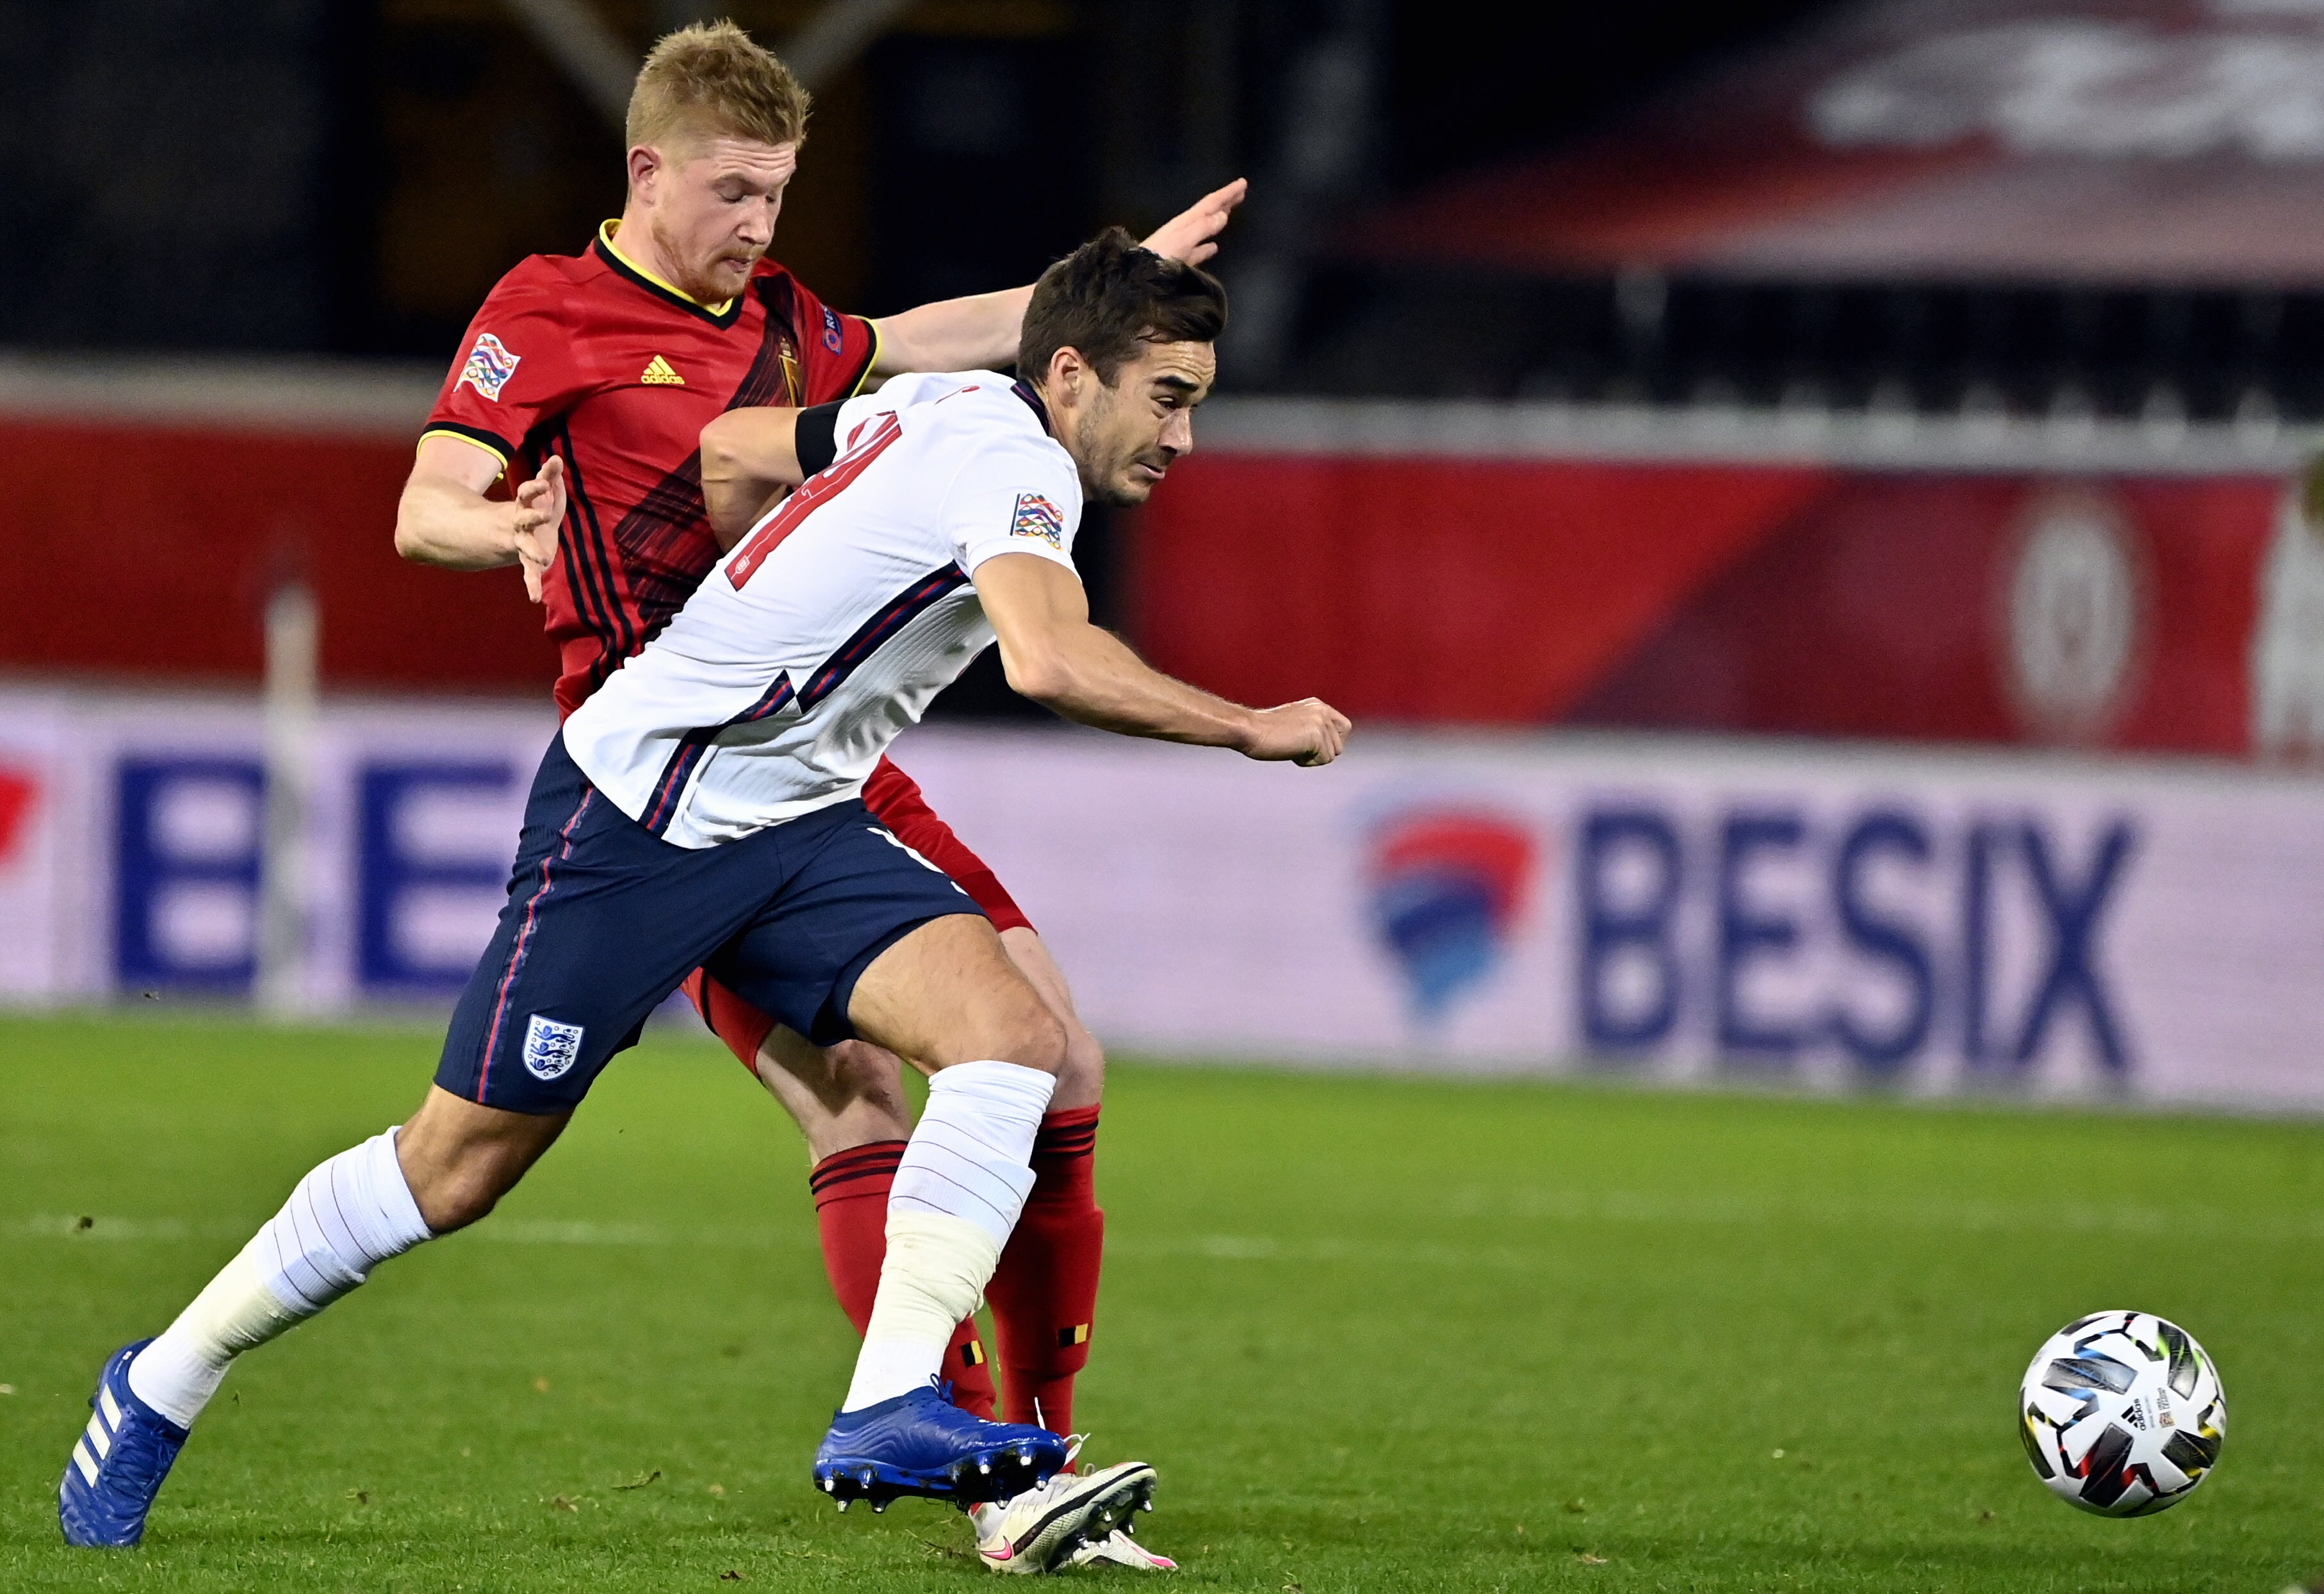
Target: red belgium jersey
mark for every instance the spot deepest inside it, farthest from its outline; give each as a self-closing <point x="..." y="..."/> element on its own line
<point x="591" y="360"/>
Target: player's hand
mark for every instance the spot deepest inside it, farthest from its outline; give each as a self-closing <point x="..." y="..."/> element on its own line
<point x="540" y="511"/>
<point x="1193" y="234"/>
<point x="1309" y="734"/>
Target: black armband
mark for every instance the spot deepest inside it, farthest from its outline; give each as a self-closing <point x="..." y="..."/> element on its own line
<point x="817" y="441"/>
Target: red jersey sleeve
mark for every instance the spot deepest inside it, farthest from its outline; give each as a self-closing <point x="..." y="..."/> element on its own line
<point x="516" y="368"/>
<point x="835" y="350"/>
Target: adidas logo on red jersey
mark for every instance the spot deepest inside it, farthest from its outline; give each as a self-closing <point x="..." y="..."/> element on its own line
<point x="659" y="373"/>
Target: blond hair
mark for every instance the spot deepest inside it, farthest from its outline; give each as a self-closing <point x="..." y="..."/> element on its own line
<point x="712" y="80"/>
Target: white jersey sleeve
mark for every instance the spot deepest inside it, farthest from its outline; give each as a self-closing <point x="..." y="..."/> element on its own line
<point x="1016" y="498"/>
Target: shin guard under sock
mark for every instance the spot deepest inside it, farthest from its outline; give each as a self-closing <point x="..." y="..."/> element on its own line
<point x="957" y="1193"/>
<point x="851" y="1210"/>
<point x="1044" y="1295"/>
<point x="346" y="1217"/>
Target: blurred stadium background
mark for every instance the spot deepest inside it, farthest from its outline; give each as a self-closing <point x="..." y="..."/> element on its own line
<point x="1800" y="501"/>
<point x="1804" y="503"/>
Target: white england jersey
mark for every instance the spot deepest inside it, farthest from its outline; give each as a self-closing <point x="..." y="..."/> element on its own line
<point x="836" y="618"/>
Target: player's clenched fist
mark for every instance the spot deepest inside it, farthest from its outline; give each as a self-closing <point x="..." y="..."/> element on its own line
<point x="1309" y="733"/>
<point x="540" y="511"/>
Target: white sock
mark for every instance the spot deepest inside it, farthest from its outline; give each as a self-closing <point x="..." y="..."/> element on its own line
<point x="962" y="1183"/>
<point x="346" y="1217"/>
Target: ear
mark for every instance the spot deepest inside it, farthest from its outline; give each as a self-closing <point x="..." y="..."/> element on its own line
<point x="645" y="171"/>
<point x="1066" y="373"/>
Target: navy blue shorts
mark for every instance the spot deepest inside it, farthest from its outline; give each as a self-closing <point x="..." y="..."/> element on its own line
<point x="605" y="919"/>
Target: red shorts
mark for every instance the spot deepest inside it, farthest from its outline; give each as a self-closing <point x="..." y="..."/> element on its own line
<point x="895" y="798"/>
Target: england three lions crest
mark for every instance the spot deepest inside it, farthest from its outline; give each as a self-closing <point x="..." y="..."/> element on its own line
<point x="1038" y="517"/>
<point x="550" y="1049"/>
<point x="489" y="367"/>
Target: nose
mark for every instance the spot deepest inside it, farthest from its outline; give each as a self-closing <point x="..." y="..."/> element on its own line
<point x="1178" y="433"/>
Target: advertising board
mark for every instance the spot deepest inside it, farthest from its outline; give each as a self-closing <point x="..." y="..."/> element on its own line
<point x="1664" y="908"/>
<point x="1677" y="909"/>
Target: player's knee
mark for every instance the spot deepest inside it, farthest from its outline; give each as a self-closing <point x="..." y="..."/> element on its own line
<point x="458" y="1158"/>
<point x="1032" y="1037"/>
<point x="1081" y="1080"/>
<point x="1024" y="1033"/>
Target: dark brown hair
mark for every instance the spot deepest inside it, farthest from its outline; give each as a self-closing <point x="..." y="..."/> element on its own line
<point x="1109" y="296"/>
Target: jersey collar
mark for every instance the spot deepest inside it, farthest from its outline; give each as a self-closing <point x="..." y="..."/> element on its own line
<point x="1024" y="389"/>
<point x="722" y="315"/>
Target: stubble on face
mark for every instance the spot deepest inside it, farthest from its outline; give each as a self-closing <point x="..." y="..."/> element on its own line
<point x="1118" y="434"/>
<point x="717" y="220"/>
<point x="1105" y="456"/>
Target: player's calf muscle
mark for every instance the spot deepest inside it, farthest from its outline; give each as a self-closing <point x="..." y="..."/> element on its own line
<point x="460" y="1157"/>
<point x="840" y="1097"/>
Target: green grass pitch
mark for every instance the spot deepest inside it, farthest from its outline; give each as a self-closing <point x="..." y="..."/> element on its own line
<point x="1376" y="1333"/>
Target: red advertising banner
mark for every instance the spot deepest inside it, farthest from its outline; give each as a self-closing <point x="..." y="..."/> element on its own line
<point x="135" y="549"/>
<point x="2100" y="586"/>
<point x="2165" y="613"/>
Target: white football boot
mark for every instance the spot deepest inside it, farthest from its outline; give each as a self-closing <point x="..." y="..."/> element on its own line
<point x="1119" y="1549"/>
<point x="1045" y="1527"/>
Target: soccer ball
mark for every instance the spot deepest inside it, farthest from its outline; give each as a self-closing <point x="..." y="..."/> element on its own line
<point x="2122" y="1413"/>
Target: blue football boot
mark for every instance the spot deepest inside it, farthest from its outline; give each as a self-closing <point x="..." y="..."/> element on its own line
<point x="920" y="1443"/>
<point x="118" y="1464"/>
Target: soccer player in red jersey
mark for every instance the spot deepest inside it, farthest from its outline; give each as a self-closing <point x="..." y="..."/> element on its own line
<point x="588" y="380"/>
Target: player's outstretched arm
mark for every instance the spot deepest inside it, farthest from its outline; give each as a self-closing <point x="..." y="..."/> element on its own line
<point x="979" y="333"/>
<point x="445" y="518"/>
<point x="750" y="458"/>
<point x="1055" y="655"/>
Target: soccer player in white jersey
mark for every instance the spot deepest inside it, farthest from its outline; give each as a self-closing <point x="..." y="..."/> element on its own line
<point x="703" y="810"/>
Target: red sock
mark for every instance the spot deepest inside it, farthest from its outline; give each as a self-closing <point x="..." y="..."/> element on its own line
<point x="1045" y="1294"/>
<point x="850" y="1208"/>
